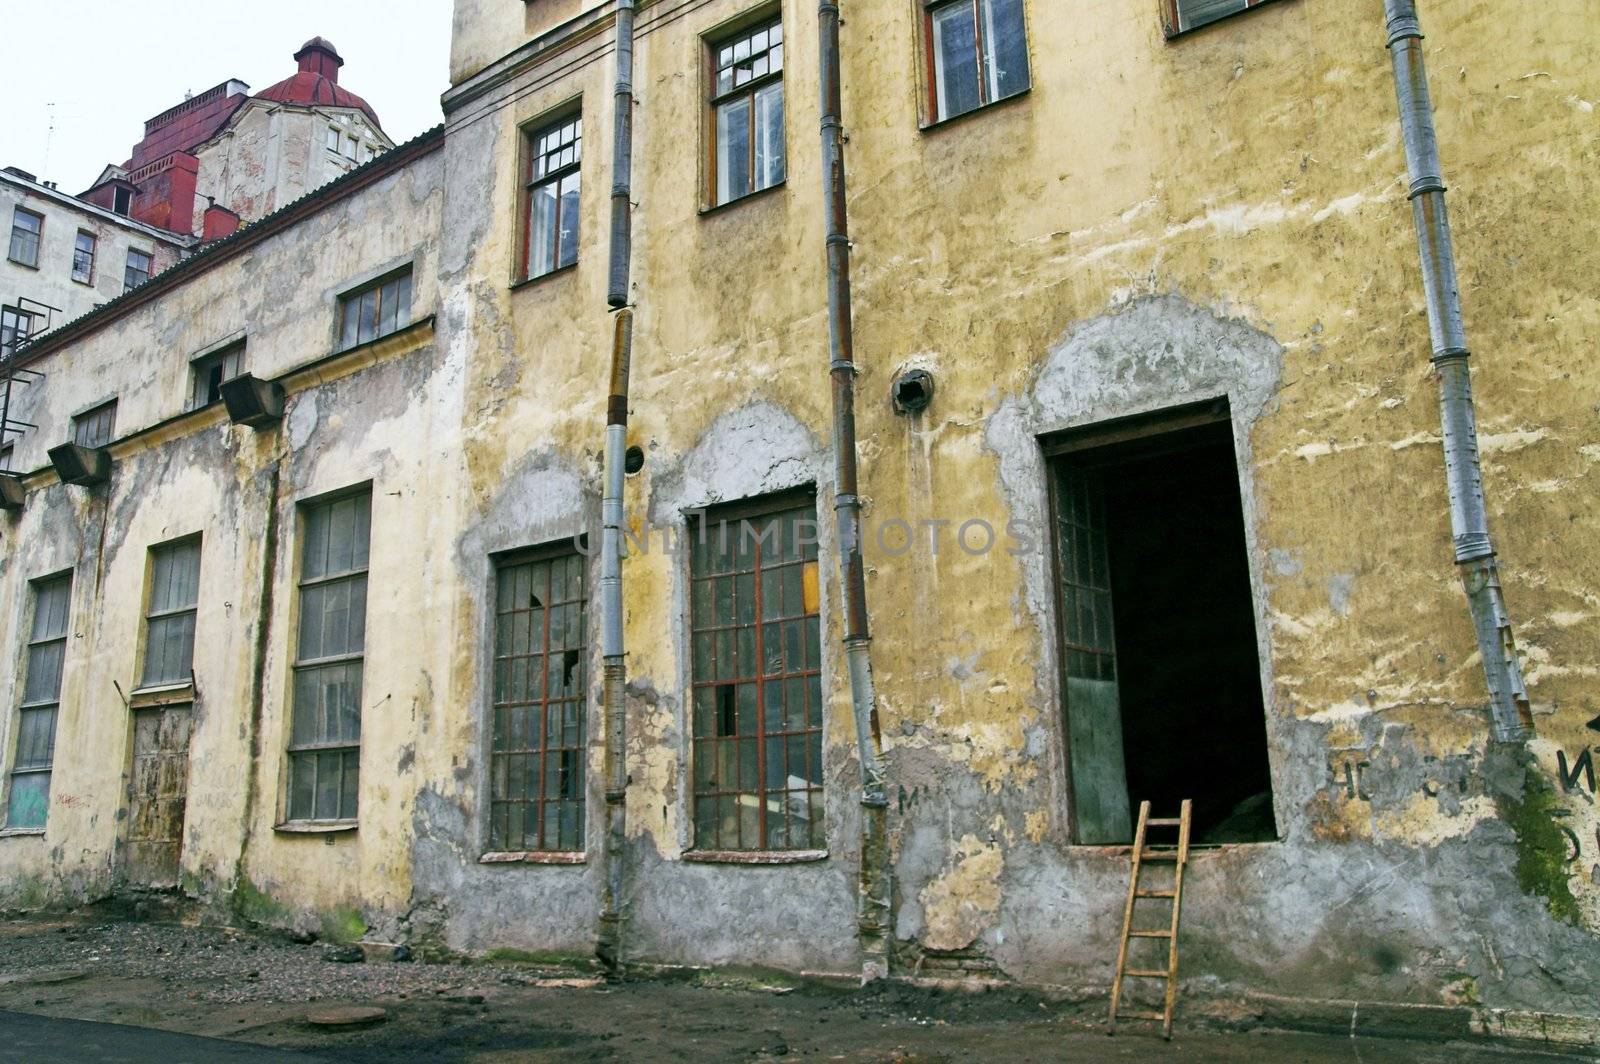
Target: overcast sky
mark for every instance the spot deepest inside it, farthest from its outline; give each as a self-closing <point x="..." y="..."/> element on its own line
<point x="108" y="65"/>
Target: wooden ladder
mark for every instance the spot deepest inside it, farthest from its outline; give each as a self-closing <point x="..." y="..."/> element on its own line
<point x="1177" y="857"/>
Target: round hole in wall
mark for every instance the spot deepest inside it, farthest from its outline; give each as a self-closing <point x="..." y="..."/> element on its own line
<point x="912" y="391"/>
<point x="633" y="460"/>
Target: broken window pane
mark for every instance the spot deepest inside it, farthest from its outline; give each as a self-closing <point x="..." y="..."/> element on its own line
<point x="757" y="745"/>
<point x="28" y="801"/>
<point x="325" y="733"/>
<point x="538" y="743"/>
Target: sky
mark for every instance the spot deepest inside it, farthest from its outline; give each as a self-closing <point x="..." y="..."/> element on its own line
<point x="96" y="69"/>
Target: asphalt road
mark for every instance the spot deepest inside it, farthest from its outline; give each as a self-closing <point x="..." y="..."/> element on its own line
<point x="26" y="1039"/>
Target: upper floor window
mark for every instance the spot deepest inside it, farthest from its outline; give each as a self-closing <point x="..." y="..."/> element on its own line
<point x="83" y="257"/>
<point x="375" y="310"/>
<point x="169" y="619"/>
<point x="26" y="229"/>
<point x="93" y="428"/>
<point x="29" y="798"/>
<point x="1184" y="15"/>
<point x="747" y="102"/>
<point x="977" y="54"/>
<point x="16" y="325"/>
<point x="138" y="269"/>
<point x="334" y="138"/>
<point x="757" y="677"/>
<point x="122" y="201"/>
<point x="550" y="231"/>
<point x="207" y="373"/>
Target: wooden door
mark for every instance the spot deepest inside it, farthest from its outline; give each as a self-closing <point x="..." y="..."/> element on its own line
<point x="158" y="786"/>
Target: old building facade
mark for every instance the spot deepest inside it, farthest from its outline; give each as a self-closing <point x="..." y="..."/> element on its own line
<point x="1154" y="504"/>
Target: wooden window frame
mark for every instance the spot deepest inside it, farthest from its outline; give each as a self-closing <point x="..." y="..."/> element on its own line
<point x="812" y="734"/>
<point x="765" y="19"/>
<point x="44" y="768"/>
<point x="84" y="422"/>
<point x="17" y="214"/>
<point x="304" y="510"/>
<point x="19" y="317"/>
<point x="930" y="62"/>
<point x="128" y="270"/>
<point x="200" y="368"/>
<point x="533" y="132"/>
<point x="403" y="280"/>
<point x="93" y="253"/>
<point x="1170" y="20"/>
<point x="499" y="840"/>
<point x="153" y="613"/>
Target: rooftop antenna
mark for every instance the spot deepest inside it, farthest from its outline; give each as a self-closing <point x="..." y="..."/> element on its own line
<point x="49" y="134"/>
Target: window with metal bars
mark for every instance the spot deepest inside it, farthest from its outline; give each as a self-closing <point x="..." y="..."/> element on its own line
<point x="977" y="54"/>
<point x="551" y="184"/>
<point x="169" y="618"/>
<point x="537" y="744"/>
<point x="137" y="270"/>
<point x="83" y="257"/>
<point x="208" y="372"/>
<point x="28" y="800"/>
<point x="757" y="679"/>
<point x="94" y="428"/>
<point x="325" y="732"/>
<point x="748" y="153"/>
<point x="1180" y="16"/>
<point x="27" y="228"/>
<point x="375" y="310"/>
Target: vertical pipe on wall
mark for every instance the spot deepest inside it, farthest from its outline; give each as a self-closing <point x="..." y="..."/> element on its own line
<point x="874" y="900"/>
<point x="1469" y="521"/>
<point x="614" y="680"/>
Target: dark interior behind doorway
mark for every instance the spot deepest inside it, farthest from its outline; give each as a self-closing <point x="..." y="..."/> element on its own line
<point x="1163" y="681"/>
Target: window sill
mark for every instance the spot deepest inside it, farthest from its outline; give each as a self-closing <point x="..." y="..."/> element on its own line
<point x="17" y="833"/>
<point x="944" y="123"/>
<point x="530" y="281"/>
<point x="86" y="284"/>
<point x="755" y="857"/>
<point x="162" y="695"/>
<point x="537" y="857"/>
<point x="718" y="208"/>
<point x="315" y="827"/>
<point x="24" y="265"/>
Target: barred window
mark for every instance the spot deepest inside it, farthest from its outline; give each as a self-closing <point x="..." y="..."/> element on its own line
<point x="747" y="102"/>
<point x="757" y="678"/>
<point x="376" y="310"/>
<point x="552" y="182"/>
<point x="26" y="230"/>
<point x="325" y="734"/>
<point x="28" y="801"/>
<point x="169" y="619"/>
<point x="536" y="762"/>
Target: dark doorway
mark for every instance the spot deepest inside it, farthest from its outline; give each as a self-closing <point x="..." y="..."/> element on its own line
<point x="1158" y="639"/>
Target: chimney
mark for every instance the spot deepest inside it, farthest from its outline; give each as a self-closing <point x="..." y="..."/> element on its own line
<point x="218" y="222"/>
<point x="319" y="56"/>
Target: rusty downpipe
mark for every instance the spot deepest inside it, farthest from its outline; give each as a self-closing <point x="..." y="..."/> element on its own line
<point x="614" y="679"/>
<point x="1510" y="719"/>
<point x="874" y="902"/>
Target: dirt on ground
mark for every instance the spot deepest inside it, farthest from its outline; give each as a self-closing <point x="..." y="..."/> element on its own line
<point x="264" y="989"/>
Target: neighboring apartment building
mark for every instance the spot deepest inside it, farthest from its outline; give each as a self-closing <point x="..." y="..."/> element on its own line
<point x="64" y="257"/>
<point x="301" y="586"/>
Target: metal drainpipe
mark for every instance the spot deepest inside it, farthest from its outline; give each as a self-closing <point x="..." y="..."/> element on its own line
<point x="1469" y="521"/>
<point x="874" y="902"/>
<point x="614" y="680"/>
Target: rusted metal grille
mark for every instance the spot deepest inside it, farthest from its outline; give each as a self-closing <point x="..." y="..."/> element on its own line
<point x="757" y="681"/>
<point x="536" y="773"/>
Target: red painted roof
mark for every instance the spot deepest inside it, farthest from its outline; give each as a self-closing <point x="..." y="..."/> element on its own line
<point x="317" y="81"/>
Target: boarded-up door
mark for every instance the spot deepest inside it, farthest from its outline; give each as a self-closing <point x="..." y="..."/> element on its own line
<point x="158" y="786"/>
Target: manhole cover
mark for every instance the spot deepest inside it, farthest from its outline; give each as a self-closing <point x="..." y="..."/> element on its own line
<point x="346" y="1016"/>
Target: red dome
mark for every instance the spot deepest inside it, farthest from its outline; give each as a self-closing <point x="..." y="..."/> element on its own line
<point x="317" y="81"/>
